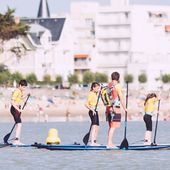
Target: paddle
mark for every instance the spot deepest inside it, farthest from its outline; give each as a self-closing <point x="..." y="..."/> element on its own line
<point x="124" y="143"/>
<point x="86" y="137"/>
<point x="6" y="137"/>
<point x="156" y="125"/>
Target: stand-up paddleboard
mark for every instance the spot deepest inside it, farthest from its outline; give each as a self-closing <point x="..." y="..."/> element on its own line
<point x="2" y="145"/>
<point x="77" y="147"/>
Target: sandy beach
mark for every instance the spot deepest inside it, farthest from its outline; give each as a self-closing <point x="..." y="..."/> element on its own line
<point x="47" y="104"/>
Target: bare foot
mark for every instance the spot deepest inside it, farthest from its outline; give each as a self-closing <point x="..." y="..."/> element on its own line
<point x="111" y="146"/>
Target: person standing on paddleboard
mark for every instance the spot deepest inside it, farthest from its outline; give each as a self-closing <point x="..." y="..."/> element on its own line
<point x="113" y="113"/>
<point x="149" y="105"/>
<point x="93" y="113"/>
<point x="16" y="110"/>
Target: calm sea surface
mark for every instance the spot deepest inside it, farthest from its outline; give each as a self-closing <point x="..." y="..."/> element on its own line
<point x="70" y="132"/>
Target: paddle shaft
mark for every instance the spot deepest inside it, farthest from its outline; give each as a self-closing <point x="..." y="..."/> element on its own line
<point x="124" y="143"/>
<point x="86" y="137"/>
<point x="126" y="108"/>
<point x="156" y="125"/>
<point x="6" y="137"/>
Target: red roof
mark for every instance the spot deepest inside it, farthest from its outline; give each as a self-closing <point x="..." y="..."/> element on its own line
<point x="81" y="56"/>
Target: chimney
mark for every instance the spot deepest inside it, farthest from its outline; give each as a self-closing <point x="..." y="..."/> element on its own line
<point x="43" y="11"/>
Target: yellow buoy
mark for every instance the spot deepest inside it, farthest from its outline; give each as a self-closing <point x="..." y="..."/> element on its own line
<point x="53" y="137"/>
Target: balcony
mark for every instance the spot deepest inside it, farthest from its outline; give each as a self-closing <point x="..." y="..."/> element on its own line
<point x="82" y="65"/>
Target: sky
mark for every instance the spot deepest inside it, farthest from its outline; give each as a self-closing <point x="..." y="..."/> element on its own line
<point x="29" y="8"/>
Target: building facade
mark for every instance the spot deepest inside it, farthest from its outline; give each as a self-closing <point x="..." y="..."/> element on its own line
<point x="130" y="39"/>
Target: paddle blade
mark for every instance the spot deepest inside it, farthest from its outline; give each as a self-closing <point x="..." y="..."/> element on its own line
<point x="124" y="144"/>
<point x="6" y="137"/>
<point x="86" y="138"/>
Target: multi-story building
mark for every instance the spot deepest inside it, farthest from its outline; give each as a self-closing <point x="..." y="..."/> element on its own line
<point x="83" y="22"/>
<point x="130" y="39"/>
<point x="133" y="39"/>
<point x="113" y="38"/>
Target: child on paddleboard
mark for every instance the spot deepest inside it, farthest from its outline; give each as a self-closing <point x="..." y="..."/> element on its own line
<point x="149" y="106"/>
<point x="113" y="113"/>
<point x="91" y="104"/>
<point x="16" y="110"/>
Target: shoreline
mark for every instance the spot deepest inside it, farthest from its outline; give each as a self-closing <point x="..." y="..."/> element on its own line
<point x="27" y="119"/>
<point x="50" y="105"/>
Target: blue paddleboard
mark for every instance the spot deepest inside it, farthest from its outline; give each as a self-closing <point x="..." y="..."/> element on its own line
<point x="75" y="147"/>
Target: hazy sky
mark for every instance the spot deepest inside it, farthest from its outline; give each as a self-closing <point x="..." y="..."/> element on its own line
<point x="29" y="8"/>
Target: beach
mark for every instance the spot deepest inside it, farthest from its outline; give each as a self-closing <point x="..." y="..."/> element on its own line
<point x="50" y="104"/>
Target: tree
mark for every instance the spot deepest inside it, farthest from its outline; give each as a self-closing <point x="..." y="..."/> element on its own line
<point x="16" y="76"/>
<point x="128" y="78"/>
<point x="165" y="78"/>
<point x="73" y="79"/>
<point x="31" y="78"/>
<point x="5" y="77"/>
<point x="88" y="77"/>
<point x="9" y="28"/>
<point x="142" y="78"/>
<point x="101" y="77"/>
<point x="47" y="79"/>
<point x="58" y="79"/>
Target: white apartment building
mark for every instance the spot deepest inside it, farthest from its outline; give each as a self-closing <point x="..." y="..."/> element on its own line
<point x="113" y="39"/>
<point x="133" y="39"/>
<point x="83" y="23"/>
<point x="150" y="43"/>
<point x="121" y="37"/>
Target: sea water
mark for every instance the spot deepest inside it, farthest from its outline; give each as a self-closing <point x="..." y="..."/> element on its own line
<point x="69" y="132"/>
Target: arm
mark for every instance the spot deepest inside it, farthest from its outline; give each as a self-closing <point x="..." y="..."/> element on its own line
<point x="122" y="103"/>
<point x="119" y="90"/>
<point x="89" y="107"/>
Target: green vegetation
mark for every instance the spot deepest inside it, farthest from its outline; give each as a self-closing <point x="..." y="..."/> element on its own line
<point x="101" y="77"/>
<point x="31" y="78"/>
<point x="128" y="78"/>
<point x="47" y="79"/>
<point x="9" y="28"/>
<point x="88" y="77"/>
<point x="5" y="77"/>
<point x="58" y="79"/>
<point x="16" y="76"/>
<point x="73" y="79"/>
<point x="142" y="78"/>
<point x="165" y="78"/>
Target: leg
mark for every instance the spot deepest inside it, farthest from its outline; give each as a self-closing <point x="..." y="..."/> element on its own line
<point x="110" y="136"/>
<point x="92" y="134"/>
<point x="148" y="133"/>
<point x="18" y="134"/>
<point x="17" y="119"/>
<point x="18" y="130"/>
<point x="147" y="137"/>
<point x="94" y="128"/>
<point x="96" y="132"/>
